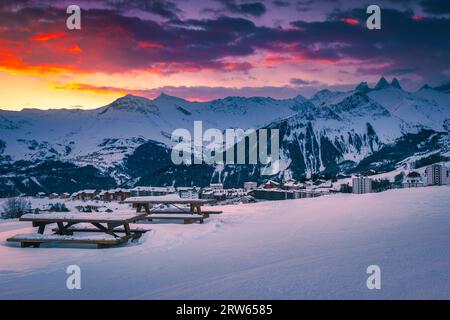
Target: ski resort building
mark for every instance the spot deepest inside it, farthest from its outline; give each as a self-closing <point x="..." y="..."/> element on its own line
<point x="272" y="185"/>
<point x="64" y="195"/>
<point x="413" y="180"/>
<point x="114" y="195"/>
<point x="216" y="186"/>
<point x="53" y="195"/>
<point x="436" y="175"/>
<point x="188" y="192"/>
<point x="250" y="185"/>
<point x="151" y="191"/>
<point x="85" y="195"/>
<point x="361" y="185"/>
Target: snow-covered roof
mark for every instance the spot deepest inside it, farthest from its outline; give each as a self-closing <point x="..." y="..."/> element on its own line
<point x="156" y="189"/>
<point x="186" y="188"/>
<point x="103" y="192"/>
<point x="87" y="191"/>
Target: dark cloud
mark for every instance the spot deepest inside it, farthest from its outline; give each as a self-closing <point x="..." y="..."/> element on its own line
<point x="12" y="3"/>
<point x="401" y="43"/>
<point x="302" y="82"/>
<point x="281" y="3"/>
<point x="436" y="6"/>
<point x="111" y="41"/>
<point x="255" y="9"/>
<point x="166" y="9"/>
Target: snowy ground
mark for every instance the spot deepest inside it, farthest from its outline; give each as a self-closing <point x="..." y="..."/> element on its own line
<point x="297" y="249"/>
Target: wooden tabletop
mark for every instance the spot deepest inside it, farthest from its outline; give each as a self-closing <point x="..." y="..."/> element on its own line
<point x="166" y="200"/>
<point x="84" y="217"/>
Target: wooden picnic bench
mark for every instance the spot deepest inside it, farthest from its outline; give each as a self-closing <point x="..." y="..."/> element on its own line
<point x="190" y="214"/>
<point x="111" y="224"/>
<point x="187" y="218"/>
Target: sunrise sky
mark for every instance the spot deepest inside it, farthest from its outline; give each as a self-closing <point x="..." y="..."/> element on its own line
<point x="206" y="49"/>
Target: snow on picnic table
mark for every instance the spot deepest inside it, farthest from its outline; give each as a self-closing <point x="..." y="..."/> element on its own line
<point x="94" y="216"/>
<point x="295" y="249"/>
<point x="170" y="198"/>
<point x="38" y="236"/>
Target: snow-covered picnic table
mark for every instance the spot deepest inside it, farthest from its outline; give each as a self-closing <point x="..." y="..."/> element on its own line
<point x="110" y="224"/>
<point x="192" y="212"/>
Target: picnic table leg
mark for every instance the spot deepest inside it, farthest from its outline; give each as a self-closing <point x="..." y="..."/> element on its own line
<point x="128" y="233"/>
<point x="147" y="208"/>
<point x="126" y="226"/>
<point x="199" y="211"/>
<point x="41" y="228"/>
<point x="139" y="207"/>
<point x="108" y="230"/>
<point x="63" y="229"/>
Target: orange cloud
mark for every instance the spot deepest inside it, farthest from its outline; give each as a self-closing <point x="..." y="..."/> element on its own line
<point x="75" y="49"/>
<point x="145" y="44"/>
<point x="273" y="59"/>
<point x="48" y="36"/>
<point x="14" y="64"/>
<point x="350" y="21"/>
<point x="91" y="88"/>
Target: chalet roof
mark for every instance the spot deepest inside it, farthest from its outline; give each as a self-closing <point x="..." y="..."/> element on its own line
<point x="156" y="189"/>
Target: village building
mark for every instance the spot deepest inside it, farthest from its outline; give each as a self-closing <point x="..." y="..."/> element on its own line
<point x="413" y="180"/>
<point x="210" y="194"/>
<point x="250" y="185"/>
<point x="272" y="194"/>
<point x="151" y="191"/>
<point x="188" y="192"/>
<point x="216" y="186"/>
<point x="310" y="193"/>
<point x="40" y="195"/>
<point x="292" y="185"/>
<point x="105" y="195"/>
<point x="53" y="195"/>
<point x="272" y="185"/>
<point x="85" y="195"/>
<point x="121" y="194"/>
<point x="64" y="195"/>
<point x="361" y="185"/>
<point x="114" y="195"/>
<point x="345" y="188"/>
<point x="437" y="175"/>
<point x="247" y="199"/>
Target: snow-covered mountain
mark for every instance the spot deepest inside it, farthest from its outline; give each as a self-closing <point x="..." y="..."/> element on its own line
<point x="129" y="139"/>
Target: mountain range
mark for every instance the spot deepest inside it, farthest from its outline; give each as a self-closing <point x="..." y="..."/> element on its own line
<point x="127" y="142"/>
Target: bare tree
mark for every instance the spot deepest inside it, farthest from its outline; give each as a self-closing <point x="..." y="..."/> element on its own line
<point x="14" y="208"/>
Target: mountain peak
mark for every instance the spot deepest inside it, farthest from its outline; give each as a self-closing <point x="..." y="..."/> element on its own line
<point x="131" y="103"/>
<point x="444" y="88"/>
<point x="381" y="84"/>
<point x="425" y="87"/>
<point x="166" y="97"/>
<point x="363" y="87"/>
<point x="395" y="83"/>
